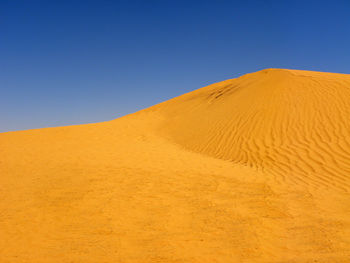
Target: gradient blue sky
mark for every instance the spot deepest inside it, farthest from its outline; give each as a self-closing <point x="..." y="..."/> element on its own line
<point x="73" y="62"/>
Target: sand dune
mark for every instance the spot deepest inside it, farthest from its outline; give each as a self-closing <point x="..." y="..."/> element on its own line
<point x="253" y="169"/>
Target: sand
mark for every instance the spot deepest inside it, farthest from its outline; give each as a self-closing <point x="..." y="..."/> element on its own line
<point x="253" y="169"/>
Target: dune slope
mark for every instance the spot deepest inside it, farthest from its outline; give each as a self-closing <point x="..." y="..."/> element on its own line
<point x="253" y="169"/>
<point x="293" y="124"/>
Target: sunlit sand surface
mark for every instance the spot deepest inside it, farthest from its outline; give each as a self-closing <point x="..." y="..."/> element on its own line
<point x="253" y="169"/>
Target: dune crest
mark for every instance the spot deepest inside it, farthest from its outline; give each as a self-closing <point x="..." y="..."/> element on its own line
<point x="252" y="169"/>
<point x="292" y="123"/>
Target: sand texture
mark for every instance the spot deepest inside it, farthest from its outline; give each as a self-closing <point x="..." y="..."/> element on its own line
<point x="252" y="169"/>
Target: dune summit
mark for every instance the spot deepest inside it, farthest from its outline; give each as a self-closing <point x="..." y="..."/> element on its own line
<point x="293" y="124"/>
<point x="252" y="169"/>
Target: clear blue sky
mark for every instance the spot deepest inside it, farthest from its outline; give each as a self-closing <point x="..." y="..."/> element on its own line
<point x="72" y="62"/>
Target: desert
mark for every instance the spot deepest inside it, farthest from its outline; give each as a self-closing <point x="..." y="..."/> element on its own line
<point x="250" y="169"/>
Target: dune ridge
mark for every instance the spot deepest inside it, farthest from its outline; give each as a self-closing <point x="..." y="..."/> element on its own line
<point x="252" y="169"/>
<point x="290" y="123"/>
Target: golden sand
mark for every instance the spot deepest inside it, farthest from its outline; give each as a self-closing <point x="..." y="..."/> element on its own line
<point x="253" y="169"/>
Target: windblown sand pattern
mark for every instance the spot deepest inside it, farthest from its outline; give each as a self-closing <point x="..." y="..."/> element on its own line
<point x="253" y="169"/>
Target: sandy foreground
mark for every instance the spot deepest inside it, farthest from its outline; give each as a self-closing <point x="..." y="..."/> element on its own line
<point x="253" y="169"/>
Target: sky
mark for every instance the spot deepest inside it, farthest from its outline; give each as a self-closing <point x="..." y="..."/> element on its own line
<point x="74" y="62"/>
